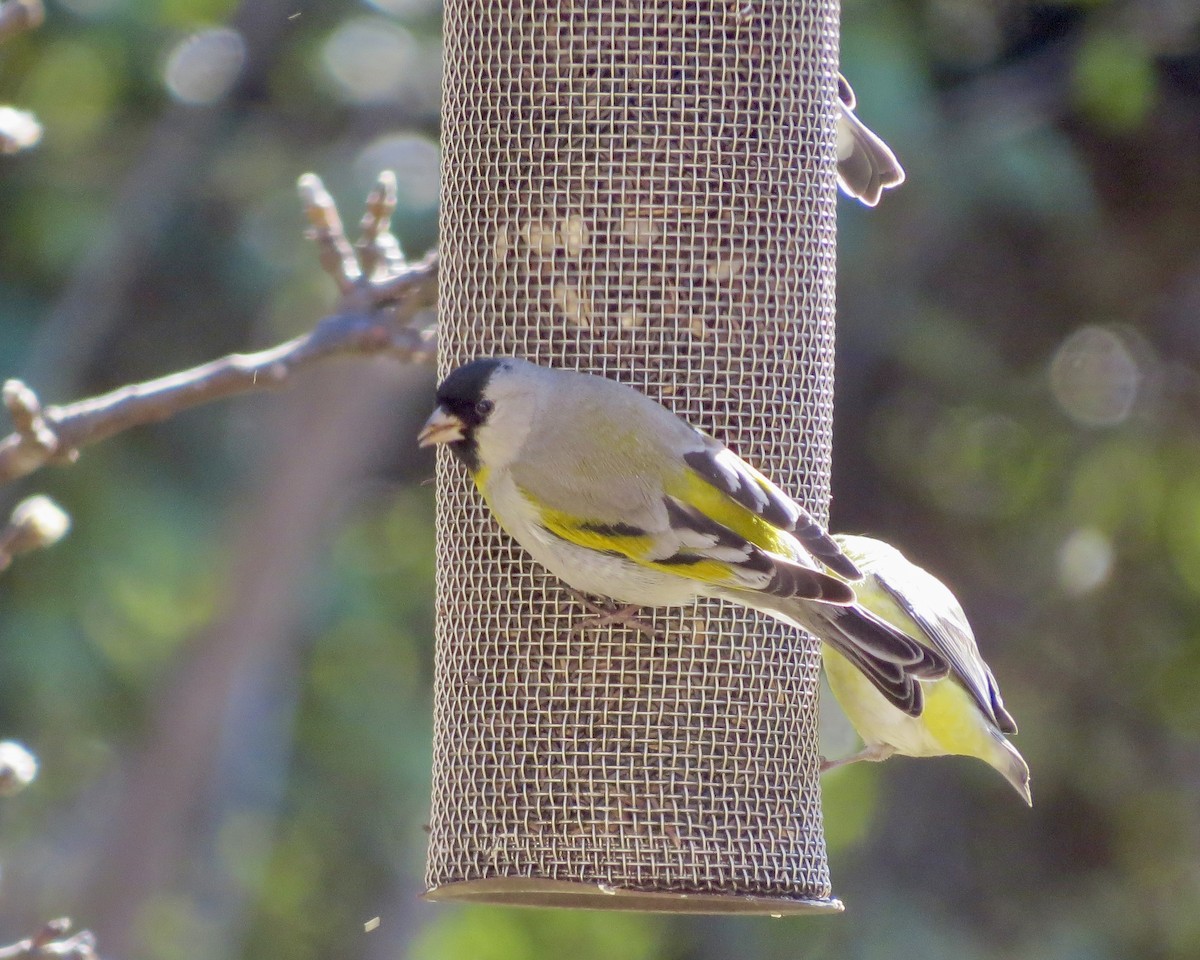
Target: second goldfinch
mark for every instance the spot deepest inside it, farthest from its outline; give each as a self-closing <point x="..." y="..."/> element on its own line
<point x="866" y="165"/>
<point x="964" y="713"/>
<point x="617" y="496"/>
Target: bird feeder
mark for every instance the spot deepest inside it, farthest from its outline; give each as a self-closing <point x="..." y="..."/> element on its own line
<point x="642" y="190"/>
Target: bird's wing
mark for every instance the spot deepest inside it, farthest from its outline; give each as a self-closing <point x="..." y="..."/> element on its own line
<point x="879" y="651"/>
<point x="935" y="610"/>
<point x="682" y="540"/>
<point x="725" y="471"/>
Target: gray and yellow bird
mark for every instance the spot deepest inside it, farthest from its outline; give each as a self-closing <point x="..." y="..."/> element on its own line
<point x="964" y="713"/>
<point x="866" y="165"/>
<point x="617" y="496"/>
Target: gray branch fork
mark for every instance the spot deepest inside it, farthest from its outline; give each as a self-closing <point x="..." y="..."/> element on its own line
<point x="383" y="310"/>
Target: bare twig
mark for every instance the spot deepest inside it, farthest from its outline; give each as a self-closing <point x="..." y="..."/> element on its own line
<point x="36" y="523"/>
<point x="51" y="941"/>
<point x="19" y="130"/>
<point x="17" y="16"/>
<point x="38" y="442"/>
<point x="18" y="768"/>
<point x="375" y="316"/>
<point x="378" y="250"/>
<point x="337" y="256"/>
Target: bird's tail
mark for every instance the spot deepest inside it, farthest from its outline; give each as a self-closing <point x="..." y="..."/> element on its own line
<point x="1008" y="760"/>
<point x="866" y="165"/>
<point x="893" y="661"/>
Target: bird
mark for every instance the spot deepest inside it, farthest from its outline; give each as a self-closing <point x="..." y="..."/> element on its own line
<point x="964" y="713"/>
<point x="866" y="165"/>
<point x="617" y="496"/>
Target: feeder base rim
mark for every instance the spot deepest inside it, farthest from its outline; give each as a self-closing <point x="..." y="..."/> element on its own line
<point x="538" y="892"/>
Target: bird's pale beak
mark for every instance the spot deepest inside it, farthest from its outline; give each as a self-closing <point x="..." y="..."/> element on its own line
<point x="441" y="427"/>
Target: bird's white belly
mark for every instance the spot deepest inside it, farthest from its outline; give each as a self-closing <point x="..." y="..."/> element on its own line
<point x="592" y="571"/>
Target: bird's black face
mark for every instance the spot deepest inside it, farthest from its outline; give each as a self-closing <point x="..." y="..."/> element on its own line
<point x="462" y="408"/>
<point x="463" y="392"/>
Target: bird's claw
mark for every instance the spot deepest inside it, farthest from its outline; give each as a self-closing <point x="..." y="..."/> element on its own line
<point x="875" y="753"/>
<point x="604" y="614"/>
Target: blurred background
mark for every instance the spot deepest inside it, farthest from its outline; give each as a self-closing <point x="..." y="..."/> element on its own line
<point x="225" y="669"/>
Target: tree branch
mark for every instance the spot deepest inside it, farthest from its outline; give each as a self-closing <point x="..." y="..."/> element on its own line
<point x="18" y="768"/>
<point x="382" y="295"/>
<point x="17" y="16"/>
<point x="36" y="523"/>
<point x="19" y="130"/>
<point x="51" y="941"/>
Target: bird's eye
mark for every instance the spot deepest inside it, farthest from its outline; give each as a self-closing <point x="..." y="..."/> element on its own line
<point x="483" y="408"/>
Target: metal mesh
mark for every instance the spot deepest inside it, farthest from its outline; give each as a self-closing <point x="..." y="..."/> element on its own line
<point x="641" y="189"/>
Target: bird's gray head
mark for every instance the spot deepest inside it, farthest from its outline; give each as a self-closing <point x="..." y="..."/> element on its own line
<point x="484" y="410"/>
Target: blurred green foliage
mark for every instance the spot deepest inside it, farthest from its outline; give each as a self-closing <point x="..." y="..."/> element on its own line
<point x="1115" y="80"/>
<point x="492" y="933"/>
<point x="1018" y="387"/>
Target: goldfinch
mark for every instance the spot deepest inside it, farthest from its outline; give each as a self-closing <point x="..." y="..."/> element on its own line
<point x="866" y="165"/>
<point x="617" y="496"/>
<point x="964" y="714"/>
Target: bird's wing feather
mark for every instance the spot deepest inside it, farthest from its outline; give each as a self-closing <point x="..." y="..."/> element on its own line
<point x="889" y="658"/>
<point x="901" y="690"/>
<point x="685" y="542"/>
<point x="945" y="625"/>
<point x="699" y="535"/>
<point x="731" y="475"/>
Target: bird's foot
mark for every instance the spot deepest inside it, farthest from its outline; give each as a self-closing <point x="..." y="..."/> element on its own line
<point x="604" y="614"/>
<point x="874" y="753"/>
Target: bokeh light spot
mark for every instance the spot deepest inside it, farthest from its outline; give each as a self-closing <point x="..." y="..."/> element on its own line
<point x="371" y="59"/>
<point x="416" y="162"/>
<point x="204" y="66"/>
<point x="1095" y="378"/>
<point x="1085" y="561"/>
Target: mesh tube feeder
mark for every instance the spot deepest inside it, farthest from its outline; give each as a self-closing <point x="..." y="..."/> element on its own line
<point x="642" y="189"/>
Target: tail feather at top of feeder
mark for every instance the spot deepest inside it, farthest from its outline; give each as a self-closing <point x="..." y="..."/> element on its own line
<point x="866" y="166"/>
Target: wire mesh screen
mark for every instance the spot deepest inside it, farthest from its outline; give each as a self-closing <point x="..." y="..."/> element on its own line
<point x="644" y="190"/>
